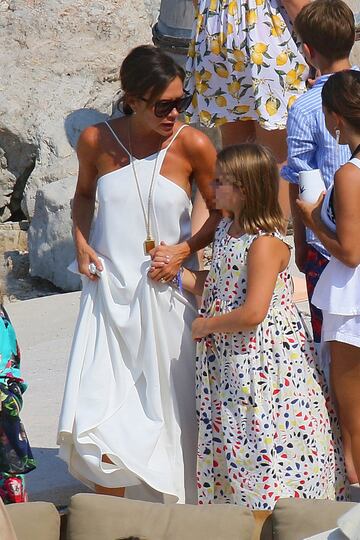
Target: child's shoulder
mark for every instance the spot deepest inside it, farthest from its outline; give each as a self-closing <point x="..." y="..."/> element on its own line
<point x="309" y="102"/>
<point x="268" y="239"/>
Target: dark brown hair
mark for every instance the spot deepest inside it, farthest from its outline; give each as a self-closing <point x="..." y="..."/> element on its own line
<point x="253" y="168"/>
<point x="146" y="69"/>
<point x="328" y="26"/>
<point x="341" y="94"/>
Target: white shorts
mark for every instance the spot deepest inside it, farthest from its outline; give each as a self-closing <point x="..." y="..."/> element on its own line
<point x="343" y="328"/>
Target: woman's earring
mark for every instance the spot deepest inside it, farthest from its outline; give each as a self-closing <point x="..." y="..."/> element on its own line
<point x="337" y="136"/>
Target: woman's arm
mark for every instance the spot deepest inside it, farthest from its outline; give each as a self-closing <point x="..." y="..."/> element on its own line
<point x="199" y="215"/>
<point x="193" y="281"/>
<point x="344" y="244"/>
<point x="201" y="155"/>
<point x="84" y="201"/>
<point x="293" y="7"/>
<point x="267" y="257"/>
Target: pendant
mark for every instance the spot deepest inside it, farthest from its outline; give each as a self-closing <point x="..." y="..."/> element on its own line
<point x="149" y="244"/>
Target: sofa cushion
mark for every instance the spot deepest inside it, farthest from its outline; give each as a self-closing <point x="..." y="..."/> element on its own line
<point x="35" y="520"/>
<point x="92" y="517"/>
<point x="6" y="529"/>
<point x="296" y="519"/>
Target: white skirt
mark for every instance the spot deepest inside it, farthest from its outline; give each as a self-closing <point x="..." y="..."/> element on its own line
<point x="343" y="328"/>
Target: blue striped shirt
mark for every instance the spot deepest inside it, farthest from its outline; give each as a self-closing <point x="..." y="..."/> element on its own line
<point x="310" y="145"/>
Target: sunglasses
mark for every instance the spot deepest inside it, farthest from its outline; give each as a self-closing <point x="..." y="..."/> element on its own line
<point x="164" y="107"/>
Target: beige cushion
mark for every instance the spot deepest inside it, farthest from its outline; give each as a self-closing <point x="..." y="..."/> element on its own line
<point x="295" y="519"/>
<point x="6" y="529"/>
<point x="34" y="521"/>
<point x="94" y="517"/>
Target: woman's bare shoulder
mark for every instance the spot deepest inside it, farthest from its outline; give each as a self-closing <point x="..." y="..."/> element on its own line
<point x="197" y="143"/>
<point x="96" y="137"/>
<point x="347" y="179"/>
<point x="90" y="137"/>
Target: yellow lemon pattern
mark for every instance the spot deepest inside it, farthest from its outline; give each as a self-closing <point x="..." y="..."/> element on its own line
<point x="243" y="63"/>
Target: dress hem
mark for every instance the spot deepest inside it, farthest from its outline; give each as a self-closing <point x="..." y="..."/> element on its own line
<point x="65" y="452"/>
<point x="342" y="338"/>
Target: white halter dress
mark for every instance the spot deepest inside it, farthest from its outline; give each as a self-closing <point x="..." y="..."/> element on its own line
<point x="130" y="386"/>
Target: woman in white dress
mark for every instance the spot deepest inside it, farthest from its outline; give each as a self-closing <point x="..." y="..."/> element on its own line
<point x="128" y="413"/>
<point x="335" y="219"/>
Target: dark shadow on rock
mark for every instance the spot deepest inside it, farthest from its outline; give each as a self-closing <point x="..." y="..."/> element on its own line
<point x="19" y="285"/>
<point x="80" y="119"/>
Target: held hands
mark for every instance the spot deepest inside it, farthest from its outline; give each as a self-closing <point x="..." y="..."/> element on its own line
<point x="166" y="261"/>
<point x="310" y="212"/>
<point x="86" y="256"/>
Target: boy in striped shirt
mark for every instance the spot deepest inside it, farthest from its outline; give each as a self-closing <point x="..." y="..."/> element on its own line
<point x="327" y="31"/>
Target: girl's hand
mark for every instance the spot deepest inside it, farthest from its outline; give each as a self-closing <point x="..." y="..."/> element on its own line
<point x="85" y="256"/>
<point x="200" y="328"/>
<point x="311" y="212"/>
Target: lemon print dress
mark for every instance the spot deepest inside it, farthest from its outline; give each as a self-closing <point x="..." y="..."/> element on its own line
<point x="243" y="63"/>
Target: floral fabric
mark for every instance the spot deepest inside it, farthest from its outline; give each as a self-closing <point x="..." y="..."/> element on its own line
<point x="265" y="428"/>
<point x="243" y="63"/>
<point x="15" y="453"/>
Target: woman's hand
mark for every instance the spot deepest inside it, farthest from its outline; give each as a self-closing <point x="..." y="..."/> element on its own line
<point x="200" y="328"/>
<point x="311" y="212"/>
<point x="166" y="261"/>
<point x="85" y="256"/>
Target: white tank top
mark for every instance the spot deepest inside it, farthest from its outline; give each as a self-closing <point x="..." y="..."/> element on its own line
<point x="338" y="288"/>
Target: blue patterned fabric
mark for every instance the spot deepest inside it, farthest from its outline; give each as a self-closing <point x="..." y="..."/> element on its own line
<point x="15" y="453"/>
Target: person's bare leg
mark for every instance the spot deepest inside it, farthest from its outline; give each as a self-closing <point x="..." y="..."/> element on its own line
<point x="345" y="383"/>
<point x="237" y="132"/>
<point x="349" y="462"/>
<point x="276" y="141"/>
<point x="115" y="492"/>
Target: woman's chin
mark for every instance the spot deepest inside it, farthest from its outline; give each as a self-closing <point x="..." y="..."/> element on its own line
<point x="166" y="129"/>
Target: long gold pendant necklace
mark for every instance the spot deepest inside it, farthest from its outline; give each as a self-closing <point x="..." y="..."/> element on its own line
<point x="149" y="242"/>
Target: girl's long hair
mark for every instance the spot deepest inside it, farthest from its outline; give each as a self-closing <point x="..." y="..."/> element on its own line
<point x="253" y="169"/>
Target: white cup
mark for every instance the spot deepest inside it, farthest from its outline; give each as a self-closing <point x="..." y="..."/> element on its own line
<point x="311" y="185"/>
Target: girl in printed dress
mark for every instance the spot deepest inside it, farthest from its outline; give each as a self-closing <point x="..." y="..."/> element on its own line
<point x="266" y="426"/>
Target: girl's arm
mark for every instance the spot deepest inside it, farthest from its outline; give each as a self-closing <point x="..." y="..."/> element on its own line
<point x="293" y="7"/>
<point x="267" y="257"/>
<point x="344" y="244"/>
<point x="84" y="201"/>
<point x="194" y="280"/>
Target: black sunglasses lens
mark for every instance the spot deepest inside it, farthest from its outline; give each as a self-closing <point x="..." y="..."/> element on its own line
<point x="184" y="103"/>
<point x="163" y="108"/>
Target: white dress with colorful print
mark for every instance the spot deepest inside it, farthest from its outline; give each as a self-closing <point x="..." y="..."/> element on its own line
<point x="243" y="63"/>
<point x="265" y="428"/>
